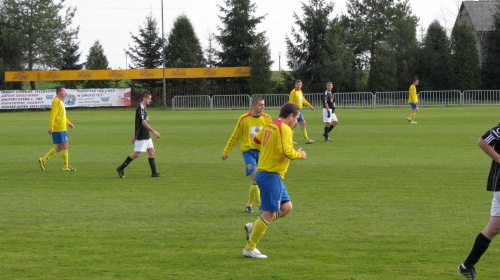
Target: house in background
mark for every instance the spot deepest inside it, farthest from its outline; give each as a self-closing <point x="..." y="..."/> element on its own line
<point x="479" y="16"/>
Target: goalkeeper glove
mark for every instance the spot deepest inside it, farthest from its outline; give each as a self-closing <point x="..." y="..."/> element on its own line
<point x="328" y="113"/>
<point x="333" y="110"/>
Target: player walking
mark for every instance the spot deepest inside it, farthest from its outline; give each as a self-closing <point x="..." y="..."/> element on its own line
<point x="413" y="100"/>
<point x="329" y="117"/>
<point x="58" y="130"/>
<point x="490" y="144"/>
<point x="247" y="127"/>
<point x="297" y="97"/>
<point x="276" y="150"/>
<point x="142" y="140"/>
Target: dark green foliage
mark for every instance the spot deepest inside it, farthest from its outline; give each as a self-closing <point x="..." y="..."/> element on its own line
<point x="383" y="71"/>
<point x="378" y="21"/>
<point x="146" y="51"/>
<point x="237" y="33"/>
<point x="183" y="49"/>
<point x="464" y="71"/>
<point x="10" y="56"/>
<point x="97" y="60"/>
<point x="491" y="62"/>
<point x="260" y="81"/>
<point x="40" y="26"/>
<point x="70" y="56"/>
<point x="433" y="59"/>
<point x="306" y="48"/>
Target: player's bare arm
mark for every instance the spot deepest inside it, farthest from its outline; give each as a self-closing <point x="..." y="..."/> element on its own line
<point x="148" y="127"/>
<point x="487" y="149"/>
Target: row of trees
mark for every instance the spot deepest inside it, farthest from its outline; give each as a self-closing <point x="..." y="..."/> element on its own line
<point x="373" y="47"/>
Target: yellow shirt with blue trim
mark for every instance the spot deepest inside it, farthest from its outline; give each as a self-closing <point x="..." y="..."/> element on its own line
<point x="413" y="94"/>
<point x="57" y="119"/>
<point x="297" y="97"/>
<point x="276" y="148"/>
<point x="246" y="128"/>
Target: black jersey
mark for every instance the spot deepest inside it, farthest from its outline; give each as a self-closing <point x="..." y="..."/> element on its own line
<point x="492" y="137"/>
<point x="329" y="98"/>
<point x="141" y="133"/>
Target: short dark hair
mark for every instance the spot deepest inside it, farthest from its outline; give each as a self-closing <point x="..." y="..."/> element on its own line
<point x="145" y="94"/>
<point x="298" y="81"/>
<point x="289" y="108"/>
<point x="256" y="100"/>
<point x="59" y="88"/>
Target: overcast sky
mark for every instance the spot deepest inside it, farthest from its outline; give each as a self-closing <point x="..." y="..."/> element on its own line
<point x="112" y="21"/>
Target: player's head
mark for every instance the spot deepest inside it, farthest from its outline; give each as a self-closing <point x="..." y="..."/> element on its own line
<point x="298" y="84"/>
<point x="61" y="91"/>
<point x="415" y="81"/>
<point x="289" y="114"/>
<point x="258" y="105"/>
<point x="146" y="98"/>
<point x="329" y="86"/>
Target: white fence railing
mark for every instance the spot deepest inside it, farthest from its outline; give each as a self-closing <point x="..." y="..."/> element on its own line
<point x="343" y="99"/>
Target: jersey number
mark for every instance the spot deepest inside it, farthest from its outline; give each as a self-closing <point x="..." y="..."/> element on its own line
<point x="267" y="133"/>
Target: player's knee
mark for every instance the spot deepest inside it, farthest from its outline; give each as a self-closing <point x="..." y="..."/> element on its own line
<point x="335" y="123"/>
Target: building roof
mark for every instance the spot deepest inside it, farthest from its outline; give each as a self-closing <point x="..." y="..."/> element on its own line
<point x="480" y="13"/>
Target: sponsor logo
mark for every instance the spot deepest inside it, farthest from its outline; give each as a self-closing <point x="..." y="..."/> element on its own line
<point x="147" y="73"/>
<point x="20" y="76"/>
<point x="210" y="72"/>
<point x="84" y="74"/>
<point x="116" y="74"/>
<point x="179" y="73"/>
<point x="242" y="71"/>
<point x="52" y="75"/>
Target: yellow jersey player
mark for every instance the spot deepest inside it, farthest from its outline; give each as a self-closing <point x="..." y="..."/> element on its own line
<point x="247" y="127"/>
<point x="413" y="100"/>
<point x="297" y="97"/>
<point x="58" y="130"/>
<point x="276" y="150"/>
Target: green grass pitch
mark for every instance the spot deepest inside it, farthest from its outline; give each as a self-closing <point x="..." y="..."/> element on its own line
<point x="385" y="200"/>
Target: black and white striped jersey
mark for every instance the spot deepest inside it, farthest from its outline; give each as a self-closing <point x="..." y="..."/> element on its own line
<point x="492" y="137"/>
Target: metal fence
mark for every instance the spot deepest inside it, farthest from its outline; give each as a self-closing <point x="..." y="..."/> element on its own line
<point x="343" y="99"/>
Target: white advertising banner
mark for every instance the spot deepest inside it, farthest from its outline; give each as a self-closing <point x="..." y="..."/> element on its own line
<point x="35" y="99"/>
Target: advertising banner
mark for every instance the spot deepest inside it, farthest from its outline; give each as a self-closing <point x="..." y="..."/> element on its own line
<point x="130" y="74"/>
<point x="35" y="99"/>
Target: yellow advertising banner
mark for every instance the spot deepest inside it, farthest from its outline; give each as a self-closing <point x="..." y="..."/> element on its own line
<point x="132" y="74"/>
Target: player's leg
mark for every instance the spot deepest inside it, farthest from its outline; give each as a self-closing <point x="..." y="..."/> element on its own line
<point x="151" y="159"/>
<point x="140" y="146"/>
<point x="270" y="191"/>
<point x="483" y="239"/>
<point x="251" y="158"/>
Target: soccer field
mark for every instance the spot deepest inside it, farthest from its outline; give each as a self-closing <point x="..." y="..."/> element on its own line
<point x="385" y="200"/>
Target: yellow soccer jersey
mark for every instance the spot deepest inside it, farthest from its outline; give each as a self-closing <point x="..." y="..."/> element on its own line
<point x="57" y="119"/>
<point x="297" y="97"/>
<point x="413" y="94"/>
<point x="246" y="129"/>
<point x="276" y="148"/>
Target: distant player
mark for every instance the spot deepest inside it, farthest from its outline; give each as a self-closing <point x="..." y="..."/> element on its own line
<point x="58" y="130"/>
<point x="142" y="140"/>
<point x="276" y="150"/>
<point x="329" y="117"/>
<point x="413" y="100"/>
<point x="490" y="144"/>
<point x="248" y="125"/>
<point x="297" y="97"/>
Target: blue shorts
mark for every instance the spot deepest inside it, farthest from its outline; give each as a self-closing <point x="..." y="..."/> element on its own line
<point x="414" y="105"/>
<point x="59" y="137"/>
<point x="272" y="191"/>
<point x="301" y="117"/>
<point x="251" y="158"/>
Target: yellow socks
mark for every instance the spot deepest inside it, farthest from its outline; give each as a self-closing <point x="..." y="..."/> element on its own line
<point x="65" y="157"/>
<point x="304" y="132"/>
<point x="259" y="228"/>
<point x="254" y="194"/>
<point x="412" y="116"/>
<point x="51" y="153"/>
